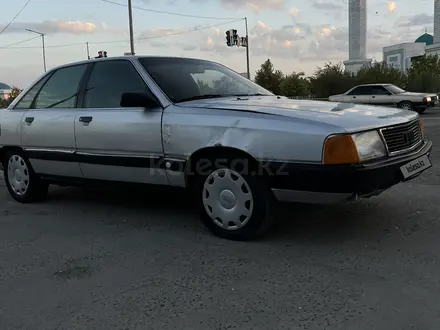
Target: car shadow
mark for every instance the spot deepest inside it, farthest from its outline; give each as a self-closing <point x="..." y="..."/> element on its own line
<point x="147" y="207"/>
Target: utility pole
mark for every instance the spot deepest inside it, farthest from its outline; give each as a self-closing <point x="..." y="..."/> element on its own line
<point x="130" y="23"/>
<point x="44" y="48"/>
<point x="247" y="49"/>
<point x="88" y="52"/>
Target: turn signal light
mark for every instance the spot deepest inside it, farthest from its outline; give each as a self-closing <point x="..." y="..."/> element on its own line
<point x="422" y="126"/>
<point x="340" y="149"/>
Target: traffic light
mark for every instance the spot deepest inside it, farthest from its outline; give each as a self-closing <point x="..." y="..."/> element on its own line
<point x="234" y="38"/>
<point x="243" y="41"/>
<point x="229" y="38"/>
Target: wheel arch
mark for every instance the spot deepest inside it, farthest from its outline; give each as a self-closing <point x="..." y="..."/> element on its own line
<point x="214" y="152"/>
<point x="5" y="149"/>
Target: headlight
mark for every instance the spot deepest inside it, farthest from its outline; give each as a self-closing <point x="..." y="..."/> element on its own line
<point x="353" y="149"/>
<point x="369" y="145"/>
<point x="426" y="99"/>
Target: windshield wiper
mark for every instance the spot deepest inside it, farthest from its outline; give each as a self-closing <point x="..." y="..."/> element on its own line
<point x="201" y="97"/>
<point x="256" y="94"/>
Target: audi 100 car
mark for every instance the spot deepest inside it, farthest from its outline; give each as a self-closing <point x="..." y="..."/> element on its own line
<point x="192" y="123"/>
<point x="388" y="95"/>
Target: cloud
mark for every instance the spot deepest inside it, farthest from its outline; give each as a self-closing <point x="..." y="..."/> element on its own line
<point x="113" y="30"/>
<point x="254" y="5"/>
<point x="52" y="27"/>
<point x="294" y="12"/>
<point x="414" y="20"/>
<point x="391" y="6"/>
<point x="330" y="4"/>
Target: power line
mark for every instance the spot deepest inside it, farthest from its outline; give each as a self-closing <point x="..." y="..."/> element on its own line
<point x="14" y="18"/>
<point x="167" y="12"/>
<point x="19" y="42"/>
<point x="125" y="40"/>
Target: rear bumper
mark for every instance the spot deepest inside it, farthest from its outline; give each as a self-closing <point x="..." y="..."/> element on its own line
<point x="332" y="183"/>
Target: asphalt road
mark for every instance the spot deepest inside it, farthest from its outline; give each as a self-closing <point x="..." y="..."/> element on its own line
<point x="130" y="260"/>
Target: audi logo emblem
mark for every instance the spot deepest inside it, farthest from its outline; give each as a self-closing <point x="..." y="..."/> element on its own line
<point x="409" y="136"/>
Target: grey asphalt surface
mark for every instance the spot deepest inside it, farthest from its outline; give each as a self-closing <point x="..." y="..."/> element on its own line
<point x="124" y="260"/>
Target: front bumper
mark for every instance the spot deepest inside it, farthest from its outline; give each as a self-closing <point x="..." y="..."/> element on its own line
<point x="331" y="183"/>
<point x="427" y="105"/>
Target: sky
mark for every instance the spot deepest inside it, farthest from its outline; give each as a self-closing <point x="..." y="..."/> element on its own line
<point x="296" y="35"/>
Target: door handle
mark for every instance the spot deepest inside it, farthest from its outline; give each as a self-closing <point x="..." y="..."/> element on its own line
<point x="354" y="97"/>
<point x="86" y="119"/>
<point x="29" y="120"/>
<point x="373" y="97"/>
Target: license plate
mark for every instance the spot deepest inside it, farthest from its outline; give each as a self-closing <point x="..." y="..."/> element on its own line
<point x="416" y="166"/>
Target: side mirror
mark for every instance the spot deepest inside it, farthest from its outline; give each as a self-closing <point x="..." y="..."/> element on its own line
<point x="138" y="100"/>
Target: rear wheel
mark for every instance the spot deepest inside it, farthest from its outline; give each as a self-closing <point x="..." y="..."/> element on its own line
<point x="22" y="182"/>
<point x="233" y="203"/>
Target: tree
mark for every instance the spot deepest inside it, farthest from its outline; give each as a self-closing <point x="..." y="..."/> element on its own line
<point x="295" y="84"/>
<point x="381" y="72"/>
<point x="426" y="63"/>
<point x="4" y="103"/>
<point x="269" y="78"/>
<point x="330" y="80"/>
<point x="424" y="75"/>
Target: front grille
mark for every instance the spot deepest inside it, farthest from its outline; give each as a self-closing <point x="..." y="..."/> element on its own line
<point x="403" y="137"/>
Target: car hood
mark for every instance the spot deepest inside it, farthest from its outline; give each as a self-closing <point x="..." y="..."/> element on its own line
<point x="417" y="94"/>
<point x="346" y="116"/>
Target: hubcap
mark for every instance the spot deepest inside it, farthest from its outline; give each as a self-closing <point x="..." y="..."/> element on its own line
<point x="228" y="199"/>
<point x="406" y="106"/>
<point x="18" y="175"/>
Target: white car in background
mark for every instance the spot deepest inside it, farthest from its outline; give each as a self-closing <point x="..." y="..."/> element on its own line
<point x="387" y="95"/>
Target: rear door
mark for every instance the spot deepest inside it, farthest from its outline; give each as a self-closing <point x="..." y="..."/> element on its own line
<point x="48" y="136"/>
<point x="115" y="143"/>
<point x="360" y="95"/>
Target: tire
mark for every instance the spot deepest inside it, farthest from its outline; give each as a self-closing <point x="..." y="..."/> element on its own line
<point x="239" y="193"/>
<point x="406" y="105"/>
<point x="22" y="182"/>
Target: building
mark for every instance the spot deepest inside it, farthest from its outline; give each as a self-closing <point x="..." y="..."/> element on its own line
<point x="434" y="48"/>
<point x="357" y="36"/>
<point x="5" y="90"/>
<point x="399" y="56"/>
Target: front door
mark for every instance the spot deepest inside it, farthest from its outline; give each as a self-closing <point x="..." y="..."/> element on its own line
<point x="48" y="136"/>
<point x="359" y="95"/>
<point x="115" y="143"/>
<point x="381" y="96"/>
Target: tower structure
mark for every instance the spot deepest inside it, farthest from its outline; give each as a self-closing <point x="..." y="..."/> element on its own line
<point x="435" y="47"/>
<point x="357" y="36"/>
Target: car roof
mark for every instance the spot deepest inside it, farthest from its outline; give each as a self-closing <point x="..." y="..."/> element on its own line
<point x="125" y="57"/>
<point x="377" y="84"/>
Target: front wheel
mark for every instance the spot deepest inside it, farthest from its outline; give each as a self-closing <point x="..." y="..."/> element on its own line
<point x="22" y="182"/>
<point x="234" y="204"/>
<point x="406" y="106"/>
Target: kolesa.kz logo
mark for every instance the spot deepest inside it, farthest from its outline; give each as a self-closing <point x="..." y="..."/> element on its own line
<point x="414" y="167"/>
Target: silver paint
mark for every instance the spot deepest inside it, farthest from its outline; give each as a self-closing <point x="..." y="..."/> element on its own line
<point x="265" y="127"/>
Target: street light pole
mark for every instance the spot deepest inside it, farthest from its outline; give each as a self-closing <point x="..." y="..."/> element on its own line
<point x="130" y="24"/>
<point x="44" y="48"/>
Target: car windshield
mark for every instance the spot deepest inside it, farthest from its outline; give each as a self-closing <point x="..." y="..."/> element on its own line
<point x="183" y="79"/>
<point x="394" y="89"/>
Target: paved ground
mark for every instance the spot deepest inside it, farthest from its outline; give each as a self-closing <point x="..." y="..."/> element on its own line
<point x="116" y="260"/>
